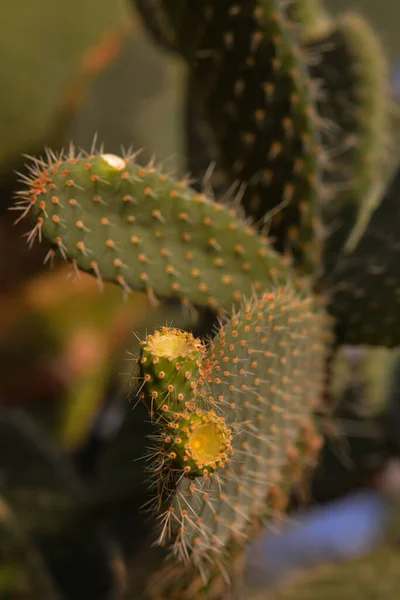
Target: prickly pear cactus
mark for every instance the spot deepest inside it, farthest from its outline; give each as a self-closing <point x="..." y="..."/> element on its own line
<point x="354" y="106"/>
<point x="251" y="415"/>
<point x="143" y="230"/>
<point x="247" y="67"/>
<point x="227" y="414"/>
<point x="264" y="381"/>
<point x="172" y="365"/>
<point x="232" y="418"/>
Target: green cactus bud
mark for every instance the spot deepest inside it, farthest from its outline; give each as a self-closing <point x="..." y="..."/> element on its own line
<point x="171" y="368"/>
<point x="197" y="443"/>
<point x="266" y="379"/>
<point x="144" y="230"/>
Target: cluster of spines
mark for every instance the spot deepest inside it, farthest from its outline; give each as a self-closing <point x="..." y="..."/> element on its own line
<point x="265" y="380"/>
<point x="142" y="229"/>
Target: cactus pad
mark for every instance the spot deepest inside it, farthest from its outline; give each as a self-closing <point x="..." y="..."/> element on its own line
<point x="354" y="105"/>
<point x="144" y="230"/>
<point x="265" y="382"/>
<point x="250" y="74"/>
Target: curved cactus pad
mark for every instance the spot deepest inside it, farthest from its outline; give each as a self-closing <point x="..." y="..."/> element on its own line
<point x="265" y="381"/>
<point x="144" y="230"/>
<point x="249" y="72"/>
<point x="355" y="105"/>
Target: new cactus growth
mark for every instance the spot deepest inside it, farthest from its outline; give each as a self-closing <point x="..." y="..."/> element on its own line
<point x="144" y="230"/>
<point x="171" y="367"/>
<point x="196" y="443"/>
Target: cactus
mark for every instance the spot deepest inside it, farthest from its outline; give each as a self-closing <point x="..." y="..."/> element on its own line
<point x="236" y="410"/>
<point x="311" y="17"/>
<point x="348" y="57"/>
<point x="232" y="419"/>
<point x="168" y="361"/>
<point x="248" y="70"/>
<point x="144" y="230"/>
<point x="264" y="375"/>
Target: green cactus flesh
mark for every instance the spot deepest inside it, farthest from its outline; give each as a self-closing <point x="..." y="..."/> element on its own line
<point x="354" y="105"/>
<point x="138" y="227"/>
<point x="265" y="381"/>
<point x="364" y="285"/>
<point x="251" y="76"/>
<point x="171" y="366"/>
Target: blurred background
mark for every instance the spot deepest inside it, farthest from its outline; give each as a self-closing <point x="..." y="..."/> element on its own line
<point x="68" y="434"/>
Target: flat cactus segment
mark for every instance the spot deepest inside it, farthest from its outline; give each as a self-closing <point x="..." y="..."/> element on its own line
<point x="355" y="104"/>
<point x="252" y="78"/>
<point x="170" y="365"/>
<point x="144" y="230"/>
<point x="266" y="381"/>
<point x="364" y="285"/>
